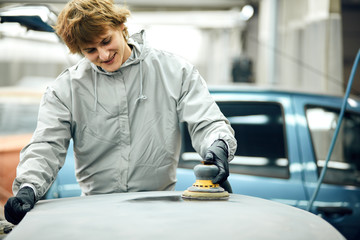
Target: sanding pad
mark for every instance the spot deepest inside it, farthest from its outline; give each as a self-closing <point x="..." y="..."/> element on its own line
<point x="204" y="188"/>
<point x="205" y="195"/>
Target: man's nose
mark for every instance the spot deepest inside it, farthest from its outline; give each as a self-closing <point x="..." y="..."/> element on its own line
<point x="103" y="54"/>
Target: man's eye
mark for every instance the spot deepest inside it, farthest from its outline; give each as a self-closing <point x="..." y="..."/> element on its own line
<point x="91" y="50"/>
<point x="107" y="41"/>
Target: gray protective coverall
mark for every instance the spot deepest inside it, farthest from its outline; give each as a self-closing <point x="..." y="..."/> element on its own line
<point x="124" y="124"/>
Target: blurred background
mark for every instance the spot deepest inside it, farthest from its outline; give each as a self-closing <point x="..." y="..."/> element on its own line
<point x="306" y="45"/>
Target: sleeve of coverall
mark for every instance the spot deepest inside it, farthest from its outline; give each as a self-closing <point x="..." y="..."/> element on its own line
<point x="43" y="157"/>
<point x="206" y="123"/>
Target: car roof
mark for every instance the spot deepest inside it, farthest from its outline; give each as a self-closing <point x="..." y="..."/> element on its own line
<point x="248" y="88"/>
<point x="165" y="215"/>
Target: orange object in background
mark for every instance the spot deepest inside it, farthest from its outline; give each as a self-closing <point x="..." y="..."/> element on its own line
<point x="10" y="147"/>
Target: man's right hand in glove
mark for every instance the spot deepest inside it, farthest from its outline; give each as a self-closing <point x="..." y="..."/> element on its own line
<point x="217" y="154"/>
<point x="16" y="207"/>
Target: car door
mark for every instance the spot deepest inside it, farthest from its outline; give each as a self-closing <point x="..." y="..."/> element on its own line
<point x="339" y="195"/>
<point x="266" y="162"/>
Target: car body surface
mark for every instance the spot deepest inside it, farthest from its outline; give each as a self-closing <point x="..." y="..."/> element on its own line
<point x="283" y="138"/>
<point x="165" y="215"/>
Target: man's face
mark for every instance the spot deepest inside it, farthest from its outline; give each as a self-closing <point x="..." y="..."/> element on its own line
<point x="109" y="51"/>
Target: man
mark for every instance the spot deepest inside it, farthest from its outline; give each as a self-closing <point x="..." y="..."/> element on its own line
<point x="121" y="105"/>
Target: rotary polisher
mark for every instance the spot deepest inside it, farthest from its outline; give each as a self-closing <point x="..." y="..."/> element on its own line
<point x="204" y="188"/>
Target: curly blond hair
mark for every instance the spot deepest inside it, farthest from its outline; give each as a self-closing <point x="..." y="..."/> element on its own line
<point x="82" y="21"/>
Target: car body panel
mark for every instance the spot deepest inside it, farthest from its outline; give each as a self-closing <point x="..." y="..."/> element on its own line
<point x="165" y="215"/>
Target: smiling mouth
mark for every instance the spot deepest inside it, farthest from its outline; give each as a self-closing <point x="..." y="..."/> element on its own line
<point x="110" y="60"/>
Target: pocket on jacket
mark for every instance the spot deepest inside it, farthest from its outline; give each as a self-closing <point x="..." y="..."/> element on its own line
<point x="103" y="126"/>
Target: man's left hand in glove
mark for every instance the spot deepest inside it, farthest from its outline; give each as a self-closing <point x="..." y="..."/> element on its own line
<point x="217" y="154"/>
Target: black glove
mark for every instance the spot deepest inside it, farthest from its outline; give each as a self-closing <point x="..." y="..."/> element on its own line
<point x="16" y="207"/>
<point x="217" y="154"/>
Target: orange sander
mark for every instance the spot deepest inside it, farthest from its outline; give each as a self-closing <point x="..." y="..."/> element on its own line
<point x="204" y="188"/>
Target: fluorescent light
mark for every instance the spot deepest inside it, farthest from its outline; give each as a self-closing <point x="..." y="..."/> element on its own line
<point x="335" y="165"/>
<point x="246" y="12"/>
<point x="254" y="119"/>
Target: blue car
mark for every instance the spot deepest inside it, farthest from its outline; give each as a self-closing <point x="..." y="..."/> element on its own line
<point x="283" y="140"/>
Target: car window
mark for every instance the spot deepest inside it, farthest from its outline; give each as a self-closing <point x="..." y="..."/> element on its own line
<point x="344" y="164"/>
<point x="260" y="133"/>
